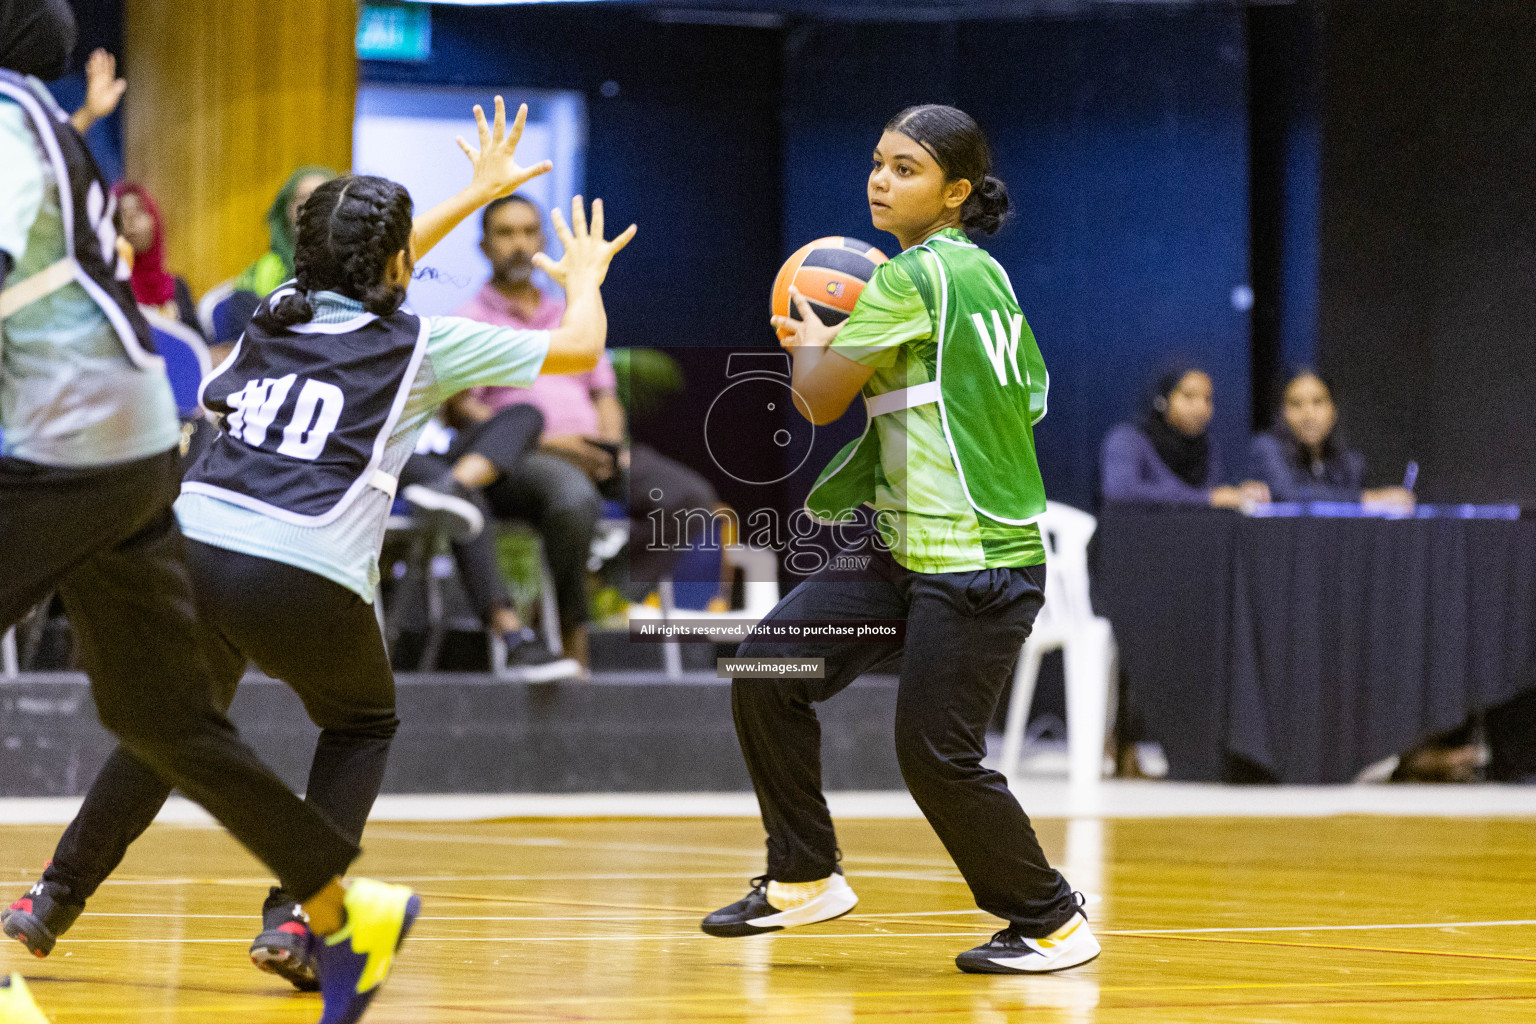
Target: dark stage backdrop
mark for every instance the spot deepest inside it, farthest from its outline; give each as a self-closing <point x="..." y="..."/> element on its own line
<point x="1428" y="240"/>
<point x="1123" y="137"/>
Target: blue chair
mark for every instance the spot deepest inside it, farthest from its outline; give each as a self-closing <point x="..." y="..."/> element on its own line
<point x="231" y="315"/>
<point x="209" y="303"/>
<point x="186" y="360"/>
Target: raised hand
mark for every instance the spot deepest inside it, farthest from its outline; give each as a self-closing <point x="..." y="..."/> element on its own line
<point x="808" y="331"/>
<point x="496" y="170"/>
<point x="587" y="254"/>
<point x="103" y="90"/>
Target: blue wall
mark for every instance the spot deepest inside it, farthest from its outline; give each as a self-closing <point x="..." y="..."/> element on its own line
<point x="1123" y="140"/>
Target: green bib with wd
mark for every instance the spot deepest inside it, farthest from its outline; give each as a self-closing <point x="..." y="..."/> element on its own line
<point x="990" y="388"/>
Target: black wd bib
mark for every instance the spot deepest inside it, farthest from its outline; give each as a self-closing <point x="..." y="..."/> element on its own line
<point x="90" y="236"/>
<point x="306" y="414"/>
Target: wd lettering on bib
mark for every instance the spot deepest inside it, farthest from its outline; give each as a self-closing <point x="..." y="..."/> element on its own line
<point x="306" y="414"/>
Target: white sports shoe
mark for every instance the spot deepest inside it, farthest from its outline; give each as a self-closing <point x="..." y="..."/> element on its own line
<point x="1008" y="952"/>
<point x="773" y="906"/>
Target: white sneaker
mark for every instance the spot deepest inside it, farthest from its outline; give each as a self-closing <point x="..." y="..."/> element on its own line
<point x="1008" y="952"/>
<point x="773" y="906"/>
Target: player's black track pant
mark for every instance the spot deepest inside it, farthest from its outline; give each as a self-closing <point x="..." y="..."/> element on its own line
<point x="315" y="635"/>
<point x="963" y="636"/>
<point x="107" y="541"/>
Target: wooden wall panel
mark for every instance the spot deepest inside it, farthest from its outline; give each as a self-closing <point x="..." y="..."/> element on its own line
<point x="225" y="98"/>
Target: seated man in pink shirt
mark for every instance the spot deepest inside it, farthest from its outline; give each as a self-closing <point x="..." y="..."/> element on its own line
<point x="583" y="455"/>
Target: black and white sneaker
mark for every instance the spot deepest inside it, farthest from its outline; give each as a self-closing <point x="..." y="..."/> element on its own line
<point x="758" y="913"/>
<point x="449" y="506"/>
<point x="527" y="660"/>
<point x="1009" y="952"/>
<point x="284" y="946"/>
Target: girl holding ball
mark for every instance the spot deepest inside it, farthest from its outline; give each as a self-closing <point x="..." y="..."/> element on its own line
<point x="954" y="383"/>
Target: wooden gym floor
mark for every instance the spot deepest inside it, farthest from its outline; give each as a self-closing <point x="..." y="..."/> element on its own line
<point x="1355" y="919"/>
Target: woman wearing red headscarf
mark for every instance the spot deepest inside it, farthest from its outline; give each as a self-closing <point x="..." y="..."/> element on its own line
<point x="138" y="221"/>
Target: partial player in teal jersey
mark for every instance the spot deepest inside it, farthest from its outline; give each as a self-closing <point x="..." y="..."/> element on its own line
<point x="953" y="384"/>
<point x="319" y="407"/>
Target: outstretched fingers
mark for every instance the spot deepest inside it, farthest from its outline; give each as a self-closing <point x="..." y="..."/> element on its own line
<point x="542" y="167"/>
<point x="578" y="217"/>
<point x="515" y="135"/>
<point x="499" y="130"/>
<point x="483" y="128"/>
<point x="621" y="241"/>
<point x="596" y="229"/>
<point x="561" y="231"/>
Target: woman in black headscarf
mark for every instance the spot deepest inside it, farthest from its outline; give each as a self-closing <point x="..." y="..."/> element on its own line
<point x="1168" y="456"/>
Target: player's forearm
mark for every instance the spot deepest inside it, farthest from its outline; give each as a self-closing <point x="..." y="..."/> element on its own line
<point x="810" y="389"/>
<point x="433" y="226"/>
<point x="577" y="344"/>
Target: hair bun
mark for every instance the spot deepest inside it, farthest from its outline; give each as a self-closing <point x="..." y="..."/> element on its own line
<point x="291" y="308"/>
<point x="987" y="207"/>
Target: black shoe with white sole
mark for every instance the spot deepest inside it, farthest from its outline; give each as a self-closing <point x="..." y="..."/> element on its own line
<point x="755" y="915"/>
<point x="449" y="505"/>
<point x="529" y="661"/>
<point x="1009" y="952"/>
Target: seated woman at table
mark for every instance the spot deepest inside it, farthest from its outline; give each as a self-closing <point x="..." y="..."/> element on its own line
<point x="1168" y="456"/>
<point x="1303" y="457"/>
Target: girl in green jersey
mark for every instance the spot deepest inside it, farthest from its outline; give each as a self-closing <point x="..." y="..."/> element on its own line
<point x="953" y="384"/>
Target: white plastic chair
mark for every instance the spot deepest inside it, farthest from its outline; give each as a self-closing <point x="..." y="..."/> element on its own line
<point x="9" y="664"/>
<point x="760" y="592"/>
<point x="1087" y="643"/>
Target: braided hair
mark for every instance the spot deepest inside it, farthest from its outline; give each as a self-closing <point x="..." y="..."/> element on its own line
<point x="349" y="230"/>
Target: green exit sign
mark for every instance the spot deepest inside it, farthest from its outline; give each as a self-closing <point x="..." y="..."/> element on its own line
<point x="394" y="32"/>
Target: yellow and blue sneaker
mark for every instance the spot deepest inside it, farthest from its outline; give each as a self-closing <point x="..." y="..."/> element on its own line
<point x="16" y="1003"/>
<point x="354" y="961"/>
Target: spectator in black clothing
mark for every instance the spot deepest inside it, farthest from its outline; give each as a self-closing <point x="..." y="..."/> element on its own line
<point x="1168" y="455"/>
<point x="448" y="488"/>
<point x="1303" y="457"/>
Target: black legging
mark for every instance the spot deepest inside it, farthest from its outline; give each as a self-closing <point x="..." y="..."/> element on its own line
<point x="315" y="635"/>
<point x="107" y="541"/>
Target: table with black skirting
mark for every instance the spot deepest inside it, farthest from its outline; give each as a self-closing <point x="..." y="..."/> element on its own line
<point x="1303" y="648"/>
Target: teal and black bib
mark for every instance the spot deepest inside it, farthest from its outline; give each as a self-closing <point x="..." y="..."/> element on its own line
<point x="990" y="387"/>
